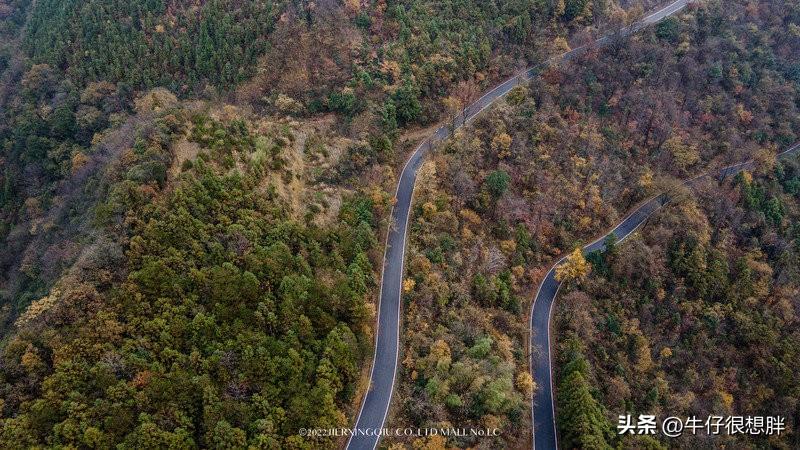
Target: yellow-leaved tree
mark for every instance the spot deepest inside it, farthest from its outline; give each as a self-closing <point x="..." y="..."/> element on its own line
<point x="575" y="268"/>
<point x="684" y="155"/>
<point x="501" y="145"/>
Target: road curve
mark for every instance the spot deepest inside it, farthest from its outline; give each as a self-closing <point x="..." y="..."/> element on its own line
<point x="544" y="424"/>
<point x="375" y="407"/>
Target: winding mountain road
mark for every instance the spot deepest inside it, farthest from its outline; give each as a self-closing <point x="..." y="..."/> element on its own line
<point x="375" y="407"/>
<point x="544" y="424"/>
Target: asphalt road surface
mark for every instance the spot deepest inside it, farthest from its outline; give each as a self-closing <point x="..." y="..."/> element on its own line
<point x="376" y="403"/>
<point x="544" y="425"/>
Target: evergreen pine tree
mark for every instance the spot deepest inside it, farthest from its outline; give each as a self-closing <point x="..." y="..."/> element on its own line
<point x="581" y="419"/>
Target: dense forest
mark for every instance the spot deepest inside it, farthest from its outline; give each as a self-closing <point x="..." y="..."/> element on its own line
<point x="71" y="70"/>
<point x="192" y="195"/>
<point x="189" y="235"/>
<point x="172" y="44"/>
<point x="563" y="158"/>
<point x="695" y="316"/>
<point x="203" y="315"/>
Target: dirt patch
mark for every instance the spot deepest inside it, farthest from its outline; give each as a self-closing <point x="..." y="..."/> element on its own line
<point x="184" y="150"/>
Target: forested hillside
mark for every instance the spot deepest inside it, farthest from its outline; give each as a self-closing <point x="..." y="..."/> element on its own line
<point x="203" y="315"/>
<point x="190" y="196"/>
<point x="172" y="44"/>
<point x="696" y="316"/>
<point x="390" y="62"/>
<point x="72" y="69"/>
<point x="562" y="159"/>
